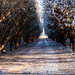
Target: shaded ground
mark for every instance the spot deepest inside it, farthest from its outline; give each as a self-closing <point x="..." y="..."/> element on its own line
<point x="41" y="57"/>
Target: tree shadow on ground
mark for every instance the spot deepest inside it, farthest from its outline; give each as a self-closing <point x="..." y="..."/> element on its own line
<point x="28" y="73"/>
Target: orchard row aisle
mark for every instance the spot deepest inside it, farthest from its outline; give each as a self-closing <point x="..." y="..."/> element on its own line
<point x="37" y="37"/>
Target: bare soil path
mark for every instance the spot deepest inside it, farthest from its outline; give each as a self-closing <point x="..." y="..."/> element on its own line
<point x="41" y="57"/>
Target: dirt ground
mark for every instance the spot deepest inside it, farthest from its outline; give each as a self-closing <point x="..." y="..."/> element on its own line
<point x="41" y="57"/>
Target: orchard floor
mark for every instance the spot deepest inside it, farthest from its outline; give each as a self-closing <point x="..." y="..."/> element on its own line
<point x="41" y="57"/>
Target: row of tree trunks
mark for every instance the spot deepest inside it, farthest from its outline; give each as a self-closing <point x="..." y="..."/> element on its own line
<point x="59" y="24"/>
<point x="19" y="23"/>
